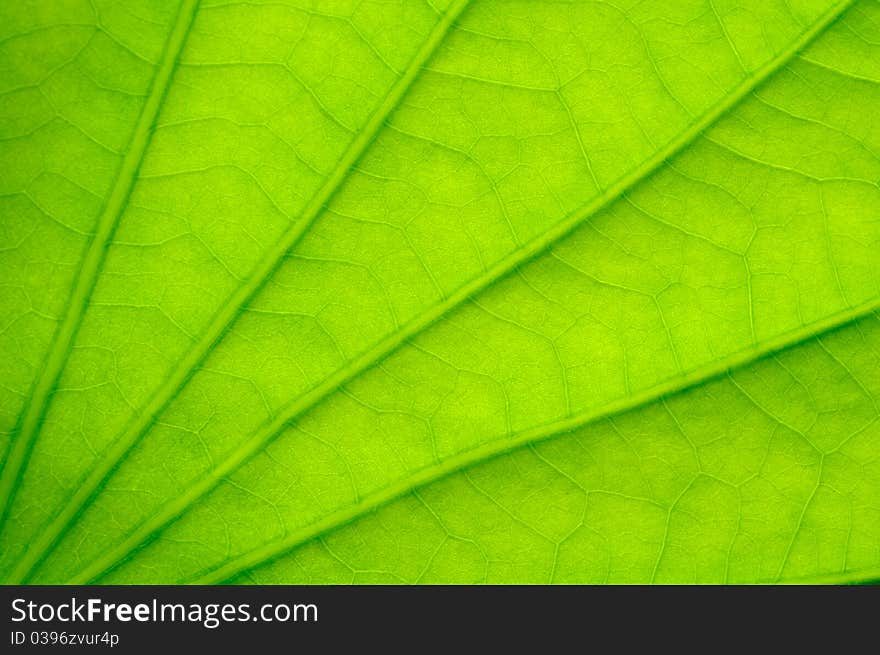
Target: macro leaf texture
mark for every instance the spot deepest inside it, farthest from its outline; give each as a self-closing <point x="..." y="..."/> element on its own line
<point x="413" y="291"/>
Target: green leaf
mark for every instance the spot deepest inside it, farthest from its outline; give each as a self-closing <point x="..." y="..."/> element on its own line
<point x="487" y="292"/>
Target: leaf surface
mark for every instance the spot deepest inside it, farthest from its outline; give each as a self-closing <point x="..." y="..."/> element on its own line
<point x="582" y="290"/>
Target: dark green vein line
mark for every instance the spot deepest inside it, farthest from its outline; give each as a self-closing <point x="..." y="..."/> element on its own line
<point x="233" y="306"/>
<point x="93" y="259"/>
<point x="869" y="576"/>
<point x="257" y="441"/>
<point x="492" y="450"/>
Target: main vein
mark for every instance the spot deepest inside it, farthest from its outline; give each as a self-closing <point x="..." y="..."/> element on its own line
<point x="493" y="449"/>
<point x="90" y="265"/>
<point x="266" y="433"/>
<point x="867" y="576"/>
<point x="230" y="310"/>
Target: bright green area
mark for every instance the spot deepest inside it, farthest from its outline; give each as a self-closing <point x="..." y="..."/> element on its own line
<point x="383" y="292"/>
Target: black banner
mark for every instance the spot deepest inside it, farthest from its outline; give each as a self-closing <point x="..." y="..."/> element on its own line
<point x="286" y="619"/>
